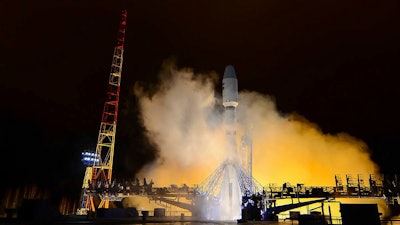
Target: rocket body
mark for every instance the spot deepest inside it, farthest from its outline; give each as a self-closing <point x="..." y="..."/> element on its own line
<point x="230" y="102"/>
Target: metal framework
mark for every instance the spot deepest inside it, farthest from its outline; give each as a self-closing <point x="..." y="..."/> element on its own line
<point x="211" y="186"/>
<point x="101" y="171"/>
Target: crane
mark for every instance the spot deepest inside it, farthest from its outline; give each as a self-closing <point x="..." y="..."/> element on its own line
<point x="100" y="172"/>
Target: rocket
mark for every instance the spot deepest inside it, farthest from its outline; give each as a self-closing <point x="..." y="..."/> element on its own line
<point x="230" y="102"/>
<point x="230" y="88"/>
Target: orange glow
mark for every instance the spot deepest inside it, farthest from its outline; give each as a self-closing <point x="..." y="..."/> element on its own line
<point x="183" y="121"/>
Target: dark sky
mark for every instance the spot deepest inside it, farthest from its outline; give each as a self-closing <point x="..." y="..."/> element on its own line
<point x="334" y="62"/>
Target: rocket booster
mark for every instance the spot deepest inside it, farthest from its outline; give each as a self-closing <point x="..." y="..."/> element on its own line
<point x="230" y="102"/>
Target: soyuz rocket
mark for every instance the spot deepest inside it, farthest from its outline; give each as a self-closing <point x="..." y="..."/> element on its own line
<point x="230" y="102"/>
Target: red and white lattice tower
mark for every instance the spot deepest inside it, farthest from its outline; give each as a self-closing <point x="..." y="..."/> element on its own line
<point x="101" y="170"/>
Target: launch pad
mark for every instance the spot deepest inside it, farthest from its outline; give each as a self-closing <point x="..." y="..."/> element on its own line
<point x="231" y="187"/>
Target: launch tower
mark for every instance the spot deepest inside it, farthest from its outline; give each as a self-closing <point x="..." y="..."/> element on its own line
<point x="101" y="170"/>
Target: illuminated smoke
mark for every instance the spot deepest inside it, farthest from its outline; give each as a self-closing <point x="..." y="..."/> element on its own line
<point x="183" y="117"/>
<point x="291" y="149"/>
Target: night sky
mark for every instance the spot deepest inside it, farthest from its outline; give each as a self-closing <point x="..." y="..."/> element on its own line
<point x="336" y="63"/>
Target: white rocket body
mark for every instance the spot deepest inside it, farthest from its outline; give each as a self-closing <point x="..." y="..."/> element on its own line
<point x="230" y="102"/>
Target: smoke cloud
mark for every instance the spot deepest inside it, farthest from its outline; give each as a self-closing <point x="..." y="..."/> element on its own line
<point x="183" y="117"/>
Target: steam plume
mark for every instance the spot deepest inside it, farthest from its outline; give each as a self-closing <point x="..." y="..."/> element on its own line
<point x="183" y="117"/>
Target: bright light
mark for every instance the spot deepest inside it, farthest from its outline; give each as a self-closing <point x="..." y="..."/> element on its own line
<point x="89" y="157"/>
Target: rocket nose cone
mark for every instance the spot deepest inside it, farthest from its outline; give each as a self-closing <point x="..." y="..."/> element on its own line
<point x="229" y="72"/>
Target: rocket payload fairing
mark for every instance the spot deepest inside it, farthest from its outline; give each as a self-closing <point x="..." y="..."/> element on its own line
<point x="230" y="88"/>
<point x="230" y="102"/>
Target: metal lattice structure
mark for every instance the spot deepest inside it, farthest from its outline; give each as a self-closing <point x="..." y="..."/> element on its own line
<point x="101" y="171"/>
<point x="211" y="186"/>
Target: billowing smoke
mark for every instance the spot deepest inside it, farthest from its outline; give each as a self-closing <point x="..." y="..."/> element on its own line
<point x="291" y="149"/>
<point x="183" y="117"/>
